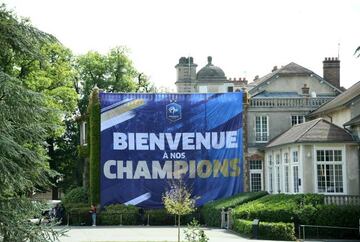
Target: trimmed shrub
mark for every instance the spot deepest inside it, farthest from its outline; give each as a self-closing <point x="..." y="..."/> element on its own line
<point x="77" y="213"/>
<point x="332" y="215"/>
<point x="274" y="231"/>
<point x="76" y="195"/>
<point x="277" y="231"/>
<point x="119" y="214"/>
<point x="159" y="217"/>
<point x="281" y="208"/>
<point x="339" y="216"/>
<point x="211" y="212"/>
<point x="94" y="146"/>
<point x="305" y="209"/>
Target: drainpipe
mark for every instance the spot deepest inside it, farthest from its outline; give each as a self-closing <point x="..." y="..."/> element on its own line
<point x="246" y="170"/>
<point x="359" y="171"/>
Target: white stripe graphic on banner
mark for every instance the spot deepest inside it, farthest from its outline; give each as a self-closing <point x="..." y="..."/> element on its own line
<point x="117" y="120"/>
<point x="139" y="199"/>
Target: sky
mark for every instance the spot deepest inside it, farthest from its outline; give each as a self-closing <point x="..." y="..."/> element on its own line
<point x="244" y="38"/>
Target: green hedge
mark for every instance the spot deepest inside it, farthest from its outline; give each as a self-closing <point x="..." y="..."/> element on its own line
<point x="211" y="212"/>
<point x="119" y="214"/>
<point x="305" y="209"/>
<point x="77" y="213"/>
<point x="161" y="217"/>
<point x="273" y="231"/>
<point x="299" y="208"/>
<point x="94" y="146"/>
<point x="340" y="216"/>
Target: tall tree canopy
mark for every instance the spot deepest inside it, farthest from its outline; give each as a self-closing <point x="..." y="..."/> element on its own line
<point x="113" y="72"/>
<point x="24" y="126"/>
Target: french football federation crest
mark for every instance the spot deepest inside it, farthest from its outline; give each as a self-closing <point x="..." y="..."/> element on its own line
<point x="173" y="112"/>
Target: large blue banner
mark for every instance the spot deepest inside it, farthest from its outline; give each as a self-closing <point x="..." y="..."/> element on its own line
<point x="150" y="140"/>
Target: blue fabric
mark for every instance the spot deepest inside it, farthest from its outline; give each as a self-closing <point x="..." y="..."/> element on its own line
<point x="179" y="115"/>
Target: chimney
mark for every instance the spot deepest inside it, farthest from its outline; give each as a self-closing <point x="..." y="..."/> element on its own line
<point x="332" y="71"/>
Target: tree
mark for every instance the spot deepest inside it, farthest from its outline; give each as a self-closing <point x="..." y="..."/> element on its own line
<point x="144" y="85"/>
<point x="113" y="72"/>
<point x="53" y="76"/>
<point x="177" y="200"/>
<point x="23" y="127"/>
<point x="42" y="65"/>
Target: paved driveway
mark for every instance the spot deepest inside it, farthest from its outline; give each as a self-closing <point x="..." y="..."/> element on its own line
<point x="141" y="233"/>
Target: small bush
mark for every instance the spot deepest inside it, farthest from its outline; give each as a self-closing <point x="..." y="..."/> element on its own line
<point x="119" y="214"/>
<point x="273" y="231"/>
<point x="76" y="195"/>
<point x="211" y="212"/>
<point x="194" y="233"/>
<point x="78" y="213"/>
<point x="159" y="217"/>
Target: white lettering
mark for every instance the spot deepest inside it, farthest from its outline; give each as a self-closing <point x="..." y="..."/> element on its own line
<point x="173" y="143"/>
<point x="188" y="141"/>
<point x="121" y="169"/>
<point x="142" y="141"/>
<point x="201" y="140"/>
<point x="107" y="169"/>
<point x="231" y="139"/>
<point x="142" y="170"/>
<point x="119" y="141"/>
<point x="164" y="172"/>
<point x="218" y="142"/>
<point x="177" y="141"/>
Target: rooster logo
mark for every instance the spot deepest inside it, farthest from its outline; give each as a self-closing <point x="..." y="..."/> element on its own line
<point x="173" y="112"/>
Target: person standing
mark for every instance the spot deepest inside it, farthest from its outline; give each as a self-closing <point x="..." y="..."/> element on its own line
<point x="93" y="214"/>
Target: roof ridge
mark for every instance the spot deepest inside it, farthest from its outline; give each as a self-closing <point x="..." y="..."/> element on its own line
<point x="316" y="121"/>
<point x="334" y="101"/>
<point x="277" y="137"/>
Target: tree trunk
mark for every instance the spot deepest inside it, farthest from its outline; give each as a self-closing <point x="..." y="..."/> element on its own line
<point x="53" y="166"/>
<point x="178" y="228"/>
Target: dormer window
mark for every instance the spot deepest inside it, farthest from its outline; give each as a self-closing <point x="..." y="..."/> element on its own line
<point x="305" y="90"/>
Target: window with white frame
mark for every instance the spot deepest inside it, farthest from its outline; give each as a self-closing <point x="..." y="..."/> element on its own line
<point x="295" y="157"/>
<point x="271" y="185"/>
<point x="255" y="175"/>
<point x="278" y="174"/>
<point x="297" y="119"/>
<point x="286" y="158"/>
<point x="296" y="179"/>
<point x="329" y="166"/>
<point x="261" y="129"/>
<point x="278" y="180"/>
<point x="286" y="177"/>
